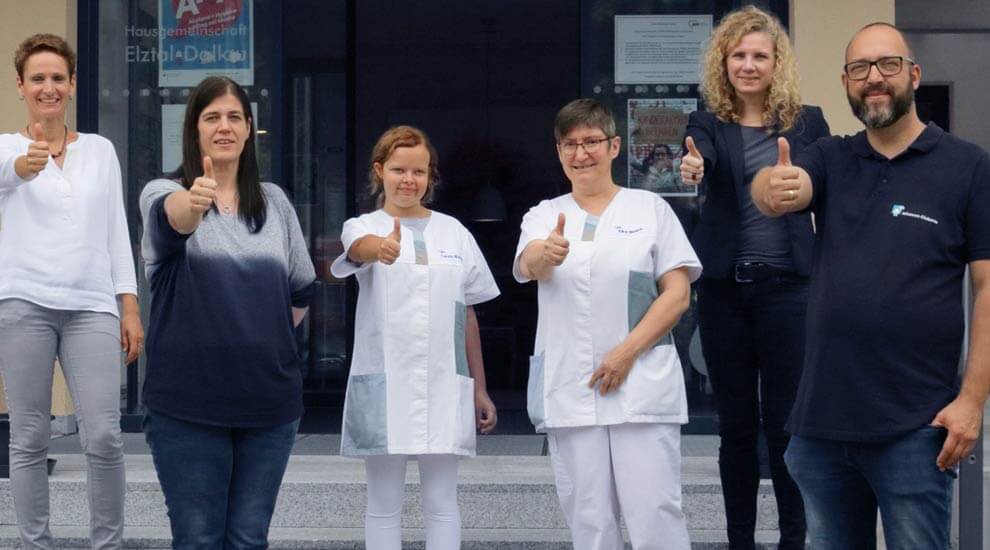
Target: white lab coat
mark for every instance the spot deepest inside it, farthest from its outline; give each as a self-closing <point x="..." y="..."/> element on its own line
<point x="592" y="301"/>
<point x="409" y="390"/>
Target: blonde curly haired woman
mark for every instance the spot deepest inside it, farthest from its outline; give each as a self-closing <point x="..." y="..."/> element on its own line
<point x="752" y="295"/>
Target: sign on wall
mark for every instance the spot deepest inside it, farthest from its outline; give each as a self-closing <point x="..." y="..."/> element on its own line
<point x="200" y="38"/>
<point x="660" y="49"/>
<point x="655" y="128"/>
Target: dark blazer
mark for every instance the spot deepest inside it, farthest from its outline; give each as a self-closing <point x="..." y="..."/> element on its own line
<point x="716" y="236"/>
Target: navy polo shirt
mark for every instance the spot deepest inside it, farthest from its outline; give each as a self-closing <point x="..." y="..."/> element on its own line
<point x="885" y="310"/>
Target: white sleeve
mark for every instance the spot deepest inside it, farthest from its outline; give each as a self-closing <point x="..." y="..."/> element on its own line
<point x="9" y="154"/>
<point x="536" y="224"/>
<point x="479" y="284"/>
<point x="673" y="250"/>
<point x="119" y="238"/>
<point x="353" y="229"/>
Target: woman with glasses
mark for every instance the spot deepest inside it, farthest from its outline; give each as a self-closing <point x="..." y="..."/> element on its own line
<point x="67" y="290"/>
<point x="230" y="280"/>
<point x="605" y="383"/>
<point x="752" y="297"/>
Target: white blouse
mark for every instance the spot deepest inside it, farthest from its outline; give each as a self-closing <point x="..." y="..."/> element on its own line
<point x="64" y="242"/>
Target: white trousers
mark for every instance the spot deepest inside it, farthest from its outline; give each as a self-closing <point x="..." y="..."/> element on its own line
<point x="632" y="468"/>
<point x="386" y="485"/>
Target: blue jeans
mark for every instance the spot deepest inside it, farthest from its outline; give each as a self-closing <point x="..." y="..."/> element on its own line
<point x="220" y="483"/>
<point x="843" y="483"/>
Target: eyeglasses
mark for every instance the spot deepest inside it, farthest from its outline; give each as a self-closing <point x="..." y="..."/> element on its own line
<point x="589" y="146"/>
<point x="888" y="66"/>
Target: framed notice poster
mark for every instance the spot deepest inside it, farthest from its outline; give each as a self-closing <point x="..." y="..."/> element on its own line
<point x="200" y="38"/>
<point x="660" y="49"/>
<point x="655" y="129"/>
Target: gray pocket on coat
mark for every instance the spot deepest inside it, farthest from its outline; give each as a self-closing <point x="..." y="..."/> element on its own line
<point x="642" y="293"/>
<point x="460" y="342"/>
<point x="365" y="428"/>
<point x="534" y="391"/>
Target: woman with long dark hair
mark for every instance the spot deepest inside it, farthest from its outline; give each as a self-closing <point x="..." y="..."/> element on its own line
<point x="230" y="279"/>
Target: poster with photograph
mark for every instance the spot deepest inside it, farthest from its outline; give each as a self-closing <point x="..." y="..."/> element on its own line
<point x="660" y="49"/>
<point x="199" y="39"/>
<point x="656" y="127"/>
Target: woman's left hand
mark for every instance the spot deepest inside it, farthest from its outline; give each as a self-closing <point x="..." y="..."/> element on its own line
<point x="615" y="367"/>
<point x="131" y="336"/>
<point x="484" y="411"/>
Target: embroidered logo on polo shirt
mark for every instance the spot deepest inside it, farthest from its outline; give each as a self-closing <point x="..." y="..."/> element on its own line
<point x="450" y="255"/>
<point x="900" y="210"/>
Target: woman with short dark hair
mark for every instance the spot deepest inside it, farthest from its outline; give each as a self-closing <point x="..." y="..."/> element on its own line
<point x="65" y="261"/>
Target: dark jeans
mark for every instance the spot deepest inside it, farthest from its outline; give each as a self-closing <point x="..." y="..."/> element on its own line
<point x="220" y="483"/>
<point x="843" y="484"/>
<point x="752" y="335"/>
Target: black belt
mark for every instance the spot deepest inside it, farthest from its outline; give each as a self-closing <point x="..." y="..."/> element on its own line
<point x="755" y="272"/>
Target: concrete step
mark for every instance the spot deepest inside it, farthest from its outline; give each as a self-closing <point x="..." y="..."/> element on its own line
<point x="75" y="538"/>
<point x="319" y="492"/>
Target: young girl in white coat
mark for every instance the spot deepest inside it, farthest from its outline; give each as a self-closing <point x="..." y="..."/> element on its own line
<point x="417" y="382"/>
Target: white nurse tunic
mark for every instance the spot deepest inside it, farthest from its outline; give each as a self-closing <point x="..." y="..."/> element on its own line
<point x="409" y="390"/>
<point x="590" y="303"/>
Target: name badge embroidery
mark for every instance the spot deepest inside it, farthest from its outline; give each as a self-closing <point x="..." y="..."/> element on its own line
<point x="628" y="229"/>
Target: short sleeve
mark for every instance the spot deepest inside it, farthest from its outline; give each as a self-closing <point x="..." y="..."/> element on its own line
<point x="479" y="284"/>
<point x="978" y="213"/>
<point x="812" y="160"/>
<point x="160" y="239"/>
<point x="536" y="224"/>
<point x="353" y="229"/>
<point x="673" y="250"/>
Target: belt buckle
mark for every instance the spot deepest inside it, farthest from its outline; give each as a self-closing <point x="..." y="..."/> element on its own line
<point x="738" y="269"/>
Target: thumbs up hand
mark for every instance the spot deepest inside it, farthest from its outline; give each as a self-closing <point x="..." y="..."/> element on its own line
<point x="38" y="151"/>
<point x="692" y="165"/>
<point x="556" y="247"/>
<point x="785" y="186"/>
<point x="391" y="244"/>
<point x="203" y="190"/>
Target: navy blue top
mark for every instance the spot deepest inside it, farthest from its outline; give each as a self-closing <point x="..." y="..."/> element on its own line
<point x="717" y="233"/>
<point x="221" y="346"/>
<point x="885" y="312"/>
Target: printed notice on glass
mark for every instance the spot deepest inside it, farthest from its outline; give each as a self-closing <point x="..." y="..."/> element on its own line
<point x="660" y="49"/>
<point x="173" y="116"/>
<point x="200" y="38"/>
<point x="655" y="129"/>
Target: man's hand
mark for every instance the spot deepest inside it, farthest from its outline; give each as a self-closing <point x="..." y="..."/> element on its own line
<point x="963" y="418"/>
<point x="785" y="184"/>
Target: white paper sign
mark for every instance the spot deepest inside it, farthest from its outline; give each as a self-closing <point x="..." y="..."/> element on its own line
<point x="660" y="49"/>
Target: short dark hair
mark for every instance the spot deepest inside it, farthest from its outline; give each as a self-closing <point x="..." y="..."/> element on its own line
<point x="251" y="200"/>
<point x="589" y="112"/>
<point x="44" y="42"/>
<point x="891" y="26"/>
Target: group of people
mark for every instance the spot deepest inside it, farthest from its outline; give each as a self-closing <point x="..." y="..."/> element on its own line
<point x="832" y="296"/>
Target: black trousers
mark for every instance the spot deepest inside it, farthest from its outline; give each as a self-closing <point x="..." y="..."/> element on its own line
<point x="752" y="336"/>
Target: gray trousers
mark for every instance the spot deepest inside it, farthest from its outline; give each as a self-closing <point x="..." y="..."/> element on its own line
<point x="87" y="345"/>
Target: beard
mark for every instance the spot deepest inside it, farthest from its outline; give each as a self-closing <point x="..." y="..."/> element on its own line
<point x="879" y="116"/>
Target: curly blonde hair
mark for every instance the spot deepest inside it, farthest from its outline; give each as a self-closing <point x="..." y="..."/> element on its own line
<point x="783" y="102"/>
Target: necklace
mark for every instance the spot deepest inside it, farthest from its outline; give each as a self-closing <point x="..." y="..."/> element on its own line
<point x="65" y="140"/>
<point x="225" y="207"/>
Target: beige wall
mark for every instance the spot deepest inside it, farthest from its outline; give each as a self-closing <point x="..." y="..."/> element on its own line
<point x="18" y="20"/>
<point x="820" y="30"/>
